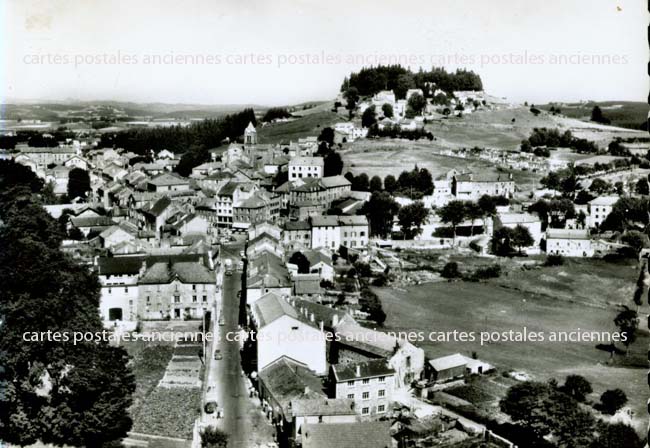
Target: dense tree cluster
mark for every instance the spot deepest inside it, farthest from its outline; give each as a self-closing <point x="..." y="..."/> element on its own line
<point x="275" y="113"/>
<point x="552" y="138"/>
<point x="371" y="80"/>
<point x="396" y="131"/>
<point x="203" y="134"/>
<point x="46" y="385"/>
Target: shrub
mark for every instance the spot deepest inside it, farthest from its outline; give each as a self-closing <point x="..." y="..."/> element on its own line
<point x="213" y="438"/>
<point x="612" y="400"/>
<point x="485" y="272"/>
<point x="450" y="270"/>
<point x="554" y="260"/>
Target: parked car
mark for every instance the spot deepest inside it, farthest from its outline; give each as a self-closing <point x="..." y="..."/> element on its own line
<point x="218" y="355"/>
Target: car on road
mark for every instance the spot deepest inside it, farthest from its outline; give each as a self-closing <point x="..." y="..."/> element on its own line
<point x="221" y="321"/>
<point x="210" y="407"/>
<point x="239" y="294"/>
<point x="218" y="355"/>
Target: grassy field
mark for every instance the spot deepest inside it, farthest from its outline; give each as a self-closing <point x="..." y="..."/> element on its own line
<point x="384" y="157"/>
<point x="498" y="306"/>
<point x="626" y="114"/>
<point x="310" y="124"/>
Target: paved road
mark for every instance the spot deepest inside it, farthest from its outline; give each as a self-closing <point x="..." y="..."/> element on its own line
<point x="243" y="419"/>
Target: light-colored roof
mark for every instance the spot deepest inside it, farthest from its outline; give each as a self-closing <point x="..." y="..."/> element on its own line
<point x="567" y="234"/>
<point x="322" y="406"/>
<point x="448" y="362"/>
<point x="604" y="200"/>
<point x="307" y="161"/>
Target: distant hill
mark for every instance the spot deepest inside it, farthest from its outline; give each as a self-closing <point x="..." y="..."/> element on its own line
<point x="624" y="114"/>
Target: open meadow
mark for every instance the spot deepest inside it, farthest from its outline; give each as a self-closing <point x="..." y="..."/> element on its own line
<point x="576" y="296"/>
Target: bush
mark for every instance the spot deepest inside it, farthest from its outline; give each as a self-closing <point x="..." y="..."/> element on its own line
<point x="213" y="438"/>
<point x="612" y="400"/>
<point x="450" y="270"/>
<point x="554" y="260"/>
<point x="485" y="272"/>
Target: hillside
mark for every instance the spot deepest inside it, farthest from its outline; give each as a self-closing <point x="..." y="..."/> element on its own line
<point x="625" y="114"/>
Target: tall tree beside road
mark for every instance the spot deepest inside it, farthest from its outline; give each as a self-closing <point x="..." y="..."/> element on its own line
<point x="47" y="384"/>
<point x="411" y="217"/>
<point x="333" y="164"/>
<point x="369" y="116"/>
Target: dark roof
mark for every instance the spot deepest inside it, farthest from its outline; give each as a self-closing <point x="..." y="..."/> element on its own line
<point x="346" y="435"/>
<point x="93" y="221"/>
<point x="296" y="225"/>
<point x="130" y="265"/>
<point x="367" y="369"/>
<point x="159" y="206"/>
<point x="322" y="406"/>
<point x="287" y="379"/>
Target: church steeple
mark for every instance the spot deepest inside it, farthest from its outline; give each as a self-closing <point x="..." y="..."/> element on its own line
<point x="250" y="135"/>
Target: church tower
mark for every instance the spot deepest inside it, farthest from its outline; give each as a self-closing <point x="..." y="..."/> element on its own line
<point x="250" y="135"/>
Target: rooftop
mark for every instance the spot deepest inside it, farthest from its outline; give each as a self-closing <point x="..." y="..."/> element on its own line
<point x="347" y="435"/>
<point x="365" y="369"/>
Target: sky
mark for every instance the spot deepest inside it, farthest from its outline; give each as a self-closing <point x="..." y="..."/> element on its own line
<point x="285" y="52"/>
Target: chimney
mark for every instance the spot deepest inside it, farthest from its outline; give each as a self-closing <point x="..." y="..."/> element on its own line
<point x="322" y="325"/>
<point x="335" y="320"/>
<point x="311" y="317"/>
<point x="307" y="390"/>
<point x="358" y="372"/>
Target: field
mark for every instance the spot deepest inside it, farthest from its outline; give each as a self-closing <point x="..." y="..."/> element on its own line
<point x="626" y="114"/>
<point x="383" y="157"/>
<point x="310" y="124"/>
<point x="498" y="306"/>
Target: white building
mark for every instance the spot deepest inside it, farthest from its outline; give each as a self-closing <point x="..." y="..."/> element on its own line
<point x="282" y="330"/>
<point x="599" y="209"/>
<point x="569" y="242"/>
<point x="306" y="167"/>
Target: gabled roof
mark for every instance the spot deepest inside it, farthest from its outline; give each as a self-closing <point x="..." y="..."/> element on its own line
<point x="335" y="181"/>
<point x="347" y="435"/>
<point x="322" y="406"/>
<point x="448" y="362"/>
<point x="567" y="234"/>
<point x="270" y="307"/>
<point x="167" y="179"/>
<point x="286" y="379"/>
<point x="159" y="206"/>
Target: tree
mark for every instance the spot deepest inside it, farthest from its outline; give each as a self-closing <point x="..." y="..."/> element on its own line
<point x="627" y="321"/>
<point x="387" y="110"/>
<point x="583" y="197"/>
<point x="380" y="210"/>
<point x="616" y="435"/>
<point x="597" y="116"/>
<point x="501" y="241"/>
<point x="361" y="182"/>
<point x="327" y="136"/>
<point x="390" y="183"/>
<point x="212" y="437"/>
<point x="642" y="187"/>
<point x="450" y="270"/>
<point x="369" y="117"/>
<point x="47" y="194"/>
<point x="521" y="237"/>
<point x="78" y="183"/>
<point x="473" y="212"/>
<point x="351" y="96"/>
<point x="417" y="103"/>
<point x="375" y="183"/>
<point x="332" y="164"/>
<point x="300" y="260"/>
<point x="635" y="239"/>
<point x="46" y="385"/>
<point x="600" y="186"/>
<point x="411" y="217"/>
<point x="612" y="400"/>
<point x="453" y="213"/>
<point x="529" y="403"/>
<point x="577" y="387"/>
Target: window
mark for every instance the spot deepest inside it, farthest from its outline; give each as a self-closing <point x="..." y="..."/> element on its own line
<point x="381" y="393"/>
<point x="109" y="290"/>
<point x="381" y="379"/>
<point x="194" y="299"/>
<point x="365" y="411"/>
<point x="351" y="383"/>
<point x="381" y="408"/>
<point x="366" y="381"/>
<point x="365" y="395"/>
<point x="351" y="396"/>
<point x="193" y="287"/>
<point x="294" y="328"/>
<point x="126" y="289"/>
<point x="205" y="298"/>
